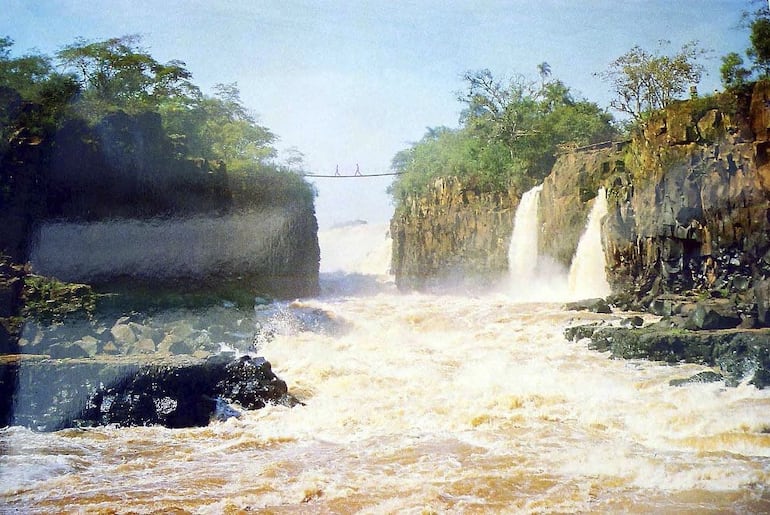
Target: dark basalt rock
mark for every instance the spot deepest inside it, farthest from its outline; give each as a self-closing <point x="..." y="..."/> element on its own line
<point x="49" y="394"/>
<point x="597" y="305"/>
<point x="707" y="376"/>
<point x="710" y="316"/>
<point x="579" y="332"/>
<point x="633" y="321"/>
<point x="739" y="354"/>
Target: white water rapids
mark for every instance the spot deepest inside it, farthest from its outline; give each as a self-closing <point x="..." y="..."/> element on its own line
<point x="424" y="404"/>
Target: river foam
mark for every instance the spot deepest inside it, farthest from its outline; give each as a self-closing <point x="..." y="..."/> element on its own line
<point x="426" y="404"/>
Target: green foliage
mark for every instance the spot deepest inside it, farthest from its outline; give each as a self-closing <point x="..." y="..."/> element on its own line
<point x="262" y="185"/>
<point x="147" y="140"/>
<point x="509" y="135"/>
<point x="732" y="71"/>
<point x="118" y="74"/>
<point x="33" y="97"/>
<point x="757" y="21"/>
<point x="446" y="152"/>
<point x="643" y="82"/>
<point x="48" y="299"/>
<point x="760" y="44"/>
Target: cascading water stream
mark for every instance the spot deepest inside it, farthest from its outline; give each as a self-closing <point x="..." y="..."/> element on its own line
<point x="532" y="277"/>
<point x="587" y="277"/>
<point x="522" y="253"/>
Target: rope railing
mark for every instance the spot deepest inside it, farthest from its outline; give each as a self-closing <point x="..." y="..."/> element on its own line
<point x="357" y="174"/>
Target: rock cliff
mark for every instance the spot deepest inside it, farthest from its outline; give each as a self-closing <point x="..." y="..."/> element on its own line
<point x="452" y="235"/>
<point x="116" y="201"/>
<point x="689" y="211"/>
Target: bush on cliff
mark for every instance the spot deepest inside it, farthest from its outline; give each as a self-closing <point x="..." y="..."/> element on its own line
<point x="508" y="137"/>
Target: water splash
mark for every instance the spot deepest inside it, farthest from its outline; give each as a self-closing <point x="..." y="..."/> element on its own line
<point x="587" y="276"/>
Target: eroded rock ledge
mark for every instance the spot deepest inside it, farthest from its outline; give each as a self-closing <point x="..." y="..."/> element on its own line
<point x="739" y="354"/>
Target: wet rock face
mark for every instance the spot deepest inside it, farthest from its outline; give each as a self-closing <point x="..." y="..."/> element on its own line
<point x="452" y="236"/>
<point x="690" y="212"/>
<point x="173" y="392"/>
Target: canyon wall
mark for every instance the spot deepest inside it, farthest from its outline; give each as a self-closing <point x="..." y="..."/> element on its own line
<point x="275" y="248"/>
<point x="452" y="236"/>
<point x="116" y="202"/>
<point x="567" y="195"/>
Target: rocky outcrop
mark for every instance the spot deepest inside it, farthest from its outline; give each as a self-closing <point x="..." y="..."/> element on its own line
<point x="452" y="235"/>
<point x="52" y="394"/>
<point x="114" y="201"/>
<point x="156" y="362"/>
<point x="690" y="211"/>
<point x="740" y="355"/>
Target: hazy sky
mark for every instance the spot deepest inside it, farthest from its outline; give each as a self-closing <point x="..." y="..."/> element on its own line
<point x="354" y="82"/>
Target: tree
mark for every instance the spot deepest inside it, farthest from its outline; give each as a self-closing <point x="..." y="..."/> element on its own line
<point x="644" y="82"/>
<point x="509" y="135"/>
<point x="118" y="74"/>
<point x="219" y="127"/>
<point x="531" y="120"/>
<point x="732" y="71"/>
<point x="759" y="52"/>
<point x="501" y="112"/>
<point x="31" y="78"/>
<point x="544" y="70"/>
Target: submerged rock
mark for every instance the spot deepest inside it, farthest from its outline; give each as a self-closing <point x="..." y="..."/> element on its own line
<point x="706" y="376"/>
<point x="223" y="411"/>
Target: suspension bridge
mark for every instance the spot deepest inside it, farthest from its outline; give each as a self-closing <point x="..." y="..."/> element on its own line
<point x="355" y="175"/>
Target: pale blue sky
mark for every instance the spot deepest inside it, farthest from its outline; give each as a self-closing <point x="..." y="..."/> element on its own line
<point x="351" y="82"/>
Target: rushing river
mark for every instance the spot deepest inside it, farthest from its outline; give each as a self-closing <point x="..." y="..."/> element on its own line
<point x="423" y="404"/>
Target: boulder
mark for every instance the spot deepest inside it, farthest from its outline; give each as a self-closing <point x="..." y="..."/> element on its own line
<point x="174" y="392"/>
<point x="597" y="305"/>
<point x="713" y="316"/>
<point x="634" y="321"/>
<point x="123" y="335"/>
<point x="143" y="346"/>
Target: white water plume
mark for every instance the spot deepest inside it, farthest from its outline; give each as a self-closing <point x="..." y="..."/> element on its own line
<point x="426" y="403"/>
<point x="587" y="275"/>
<point x="531" y="276"/>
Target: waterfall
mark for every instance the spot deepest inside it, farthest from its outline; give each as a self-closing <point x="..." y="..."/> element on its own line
<point x="355" y="259"/>
<point x="587" y="277"/>
<point x="522" y="253"/>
